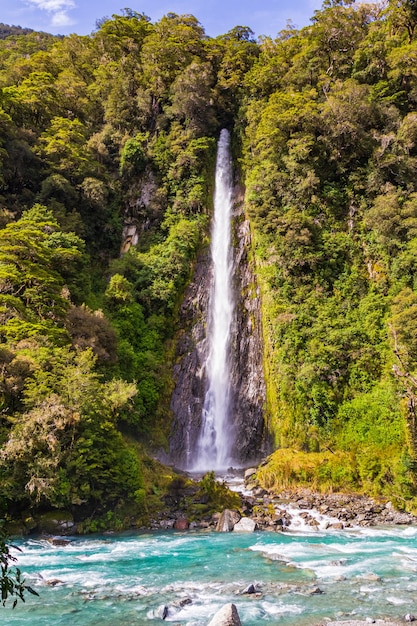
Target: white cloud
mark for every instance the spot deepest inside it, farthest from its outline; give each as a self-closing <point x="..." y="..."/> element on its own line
<point x="57" y="9"/>
<point x="53" y="6"/>
<point x="61" y="18"/>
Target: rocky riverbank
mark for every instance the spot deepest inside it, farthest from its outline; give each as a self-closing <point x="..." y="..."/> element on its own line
<point x="184" y="507"/>
<point x="229" y="616"/>
<point x="291" y="509"/>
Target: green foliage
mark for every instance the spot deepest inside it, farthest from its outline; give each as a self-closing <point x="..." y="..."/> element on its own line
<point x="329" y="151"/>
<point x="11" y="582"/>
<point x="65" y="449"/>
<point x="287" y="468"/>
<point x="141" y="300"/>
<point x="373" y="428"/>
<point x="32" y="297"/>
<point x="218" y="494"/>
<point x="133" y="157"/>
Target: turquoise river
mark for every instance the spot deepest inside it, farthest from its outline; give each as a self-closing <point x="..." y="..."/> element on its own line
<point x="301" y="577"/>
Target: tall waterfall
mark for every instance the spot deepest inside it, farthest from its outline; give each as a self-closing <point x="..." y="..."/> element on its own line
<point x="215" y="438"/>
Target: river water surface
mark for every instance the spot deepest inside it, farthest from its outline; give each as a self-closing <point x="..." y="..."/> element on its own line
<point x="301" y="576"/>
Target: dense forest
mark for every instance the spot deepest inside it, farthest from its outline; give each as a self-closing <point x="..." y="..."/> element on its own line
<point x="107" y="145"/>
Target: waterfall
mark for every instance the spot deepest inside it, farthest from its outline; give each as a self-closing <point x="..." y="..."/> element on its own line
<point x="219" y="394"/>
<point x="215" y="438"/>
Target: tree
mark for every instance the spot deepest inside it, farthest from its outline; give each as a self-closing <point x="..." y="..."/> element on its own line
<point x="65" y="450"/>
<point x="64" y="146"/>
<point x="32" y="254"/>
<point x="402" y="14"/>
<point x="193" y="98"/>
<point x="169" y="49"/>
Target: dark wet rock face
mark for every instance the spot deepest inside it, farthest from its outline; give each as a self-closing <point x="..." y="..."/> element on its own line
<point x="188" y="396"/>
<point x="247" y="386"/>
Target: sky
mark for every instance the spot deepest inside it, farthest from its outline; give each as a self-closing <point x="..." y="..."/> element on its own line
<point x="264" y="17"/>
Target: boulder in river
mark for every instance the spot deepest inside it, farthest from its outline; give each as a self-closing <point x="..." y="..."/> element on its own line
<point x="181" y="524"/>
<point x="57" y="541"/>
<point x="226" y="616"/>
<point x="227" y="521"/>
<point x="245" y="525"/>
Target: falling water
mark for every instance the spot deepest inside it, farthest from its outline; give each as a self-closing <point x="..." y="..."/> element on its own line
<point x="214" y="444"/>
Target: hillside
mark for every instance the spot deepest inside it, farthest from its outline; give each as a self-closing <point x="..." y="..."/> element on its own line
<point x="107" y="145"/>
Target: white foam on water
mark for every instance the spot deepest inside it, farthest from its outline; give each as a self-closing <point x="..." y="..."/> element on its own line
<point x="411" y="553"/>
<point x="357" y="547"/>
<point x="195" y="587"/>
<point x="40" y="560"/>
<point x="237" y="483"/>
<point x="195" y="611"/>
<point x="93" y="558"/>
<point x="408" y="565"/>
<point x="411" y="586"/>
<point x="291" y="552"/>
<point x="369" y="589"/>
<point x="270" y="550"/>
<point x="280" y="608"/>
<point x="327" y="570"/>
<point x="133" y="589"/>
<point x="300" y="524"/>
<point x="395" y="532"/>
<point x="91" y="580"/>
<point x="324" y="559"/>
<point x="397" y="601"/>
<point x="42" y="553"/>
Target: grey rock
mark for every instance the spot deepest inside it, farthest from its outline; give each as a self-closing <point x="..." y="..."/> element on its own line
<point x="227" y="521"/>
<point x="58" y="541"/>
<point x="226" y="616"/>
<point x="167" y="523"/>
<point x="371" y="577"/>
<point x="52" y="582"/>
<point x="245" y="525"/>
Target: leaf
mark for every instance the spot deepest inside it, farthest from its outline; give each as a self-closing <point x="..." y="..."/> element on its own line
<point x="32" y="591"/>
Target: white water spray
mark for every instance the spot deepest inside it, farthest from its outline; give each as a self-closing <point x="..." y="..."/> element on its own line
<point x="215" y="439"/>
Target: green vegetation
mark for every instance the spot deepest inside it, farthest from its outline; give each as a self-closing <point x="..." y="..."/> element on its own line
<point x="202" y="500"/>
<point x="107" y="143"/>
<point x="11" y="582"/>
<point x="97" y="132"/>
<point x="330" y="154"/>
<point x="217" y="495"/>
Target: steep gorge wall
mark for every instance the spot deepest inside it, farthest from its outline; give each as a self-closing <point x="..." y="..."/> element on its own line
<point x="247" y="380"/>
<point x="252" y="439"/>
